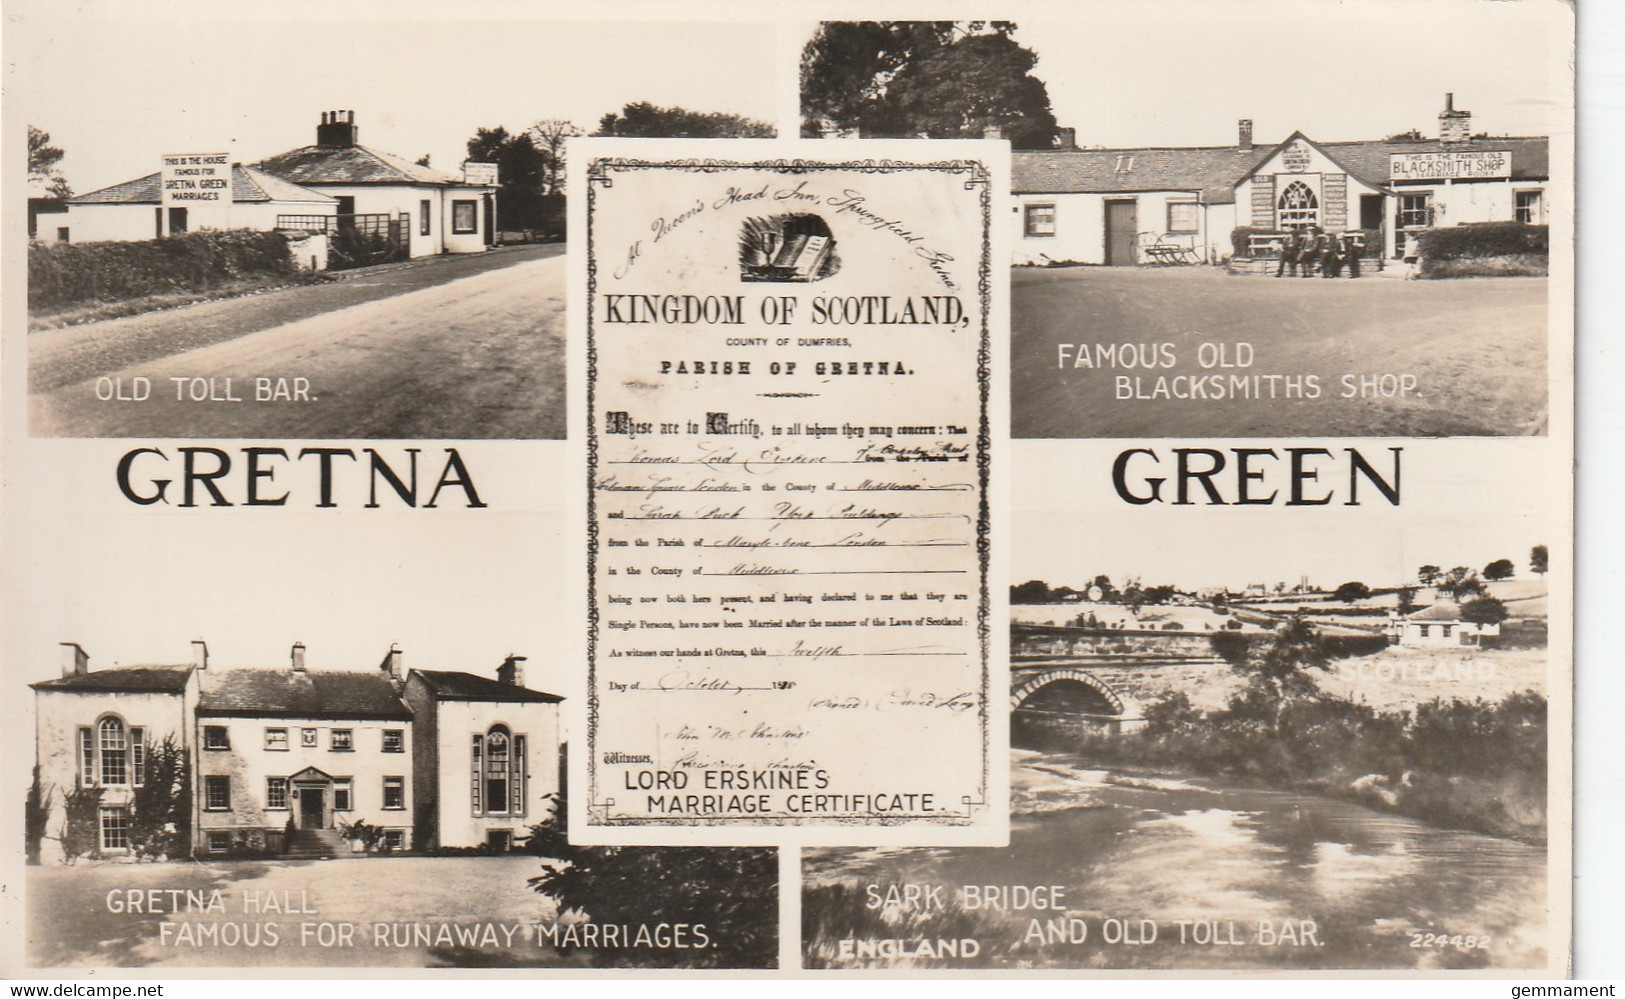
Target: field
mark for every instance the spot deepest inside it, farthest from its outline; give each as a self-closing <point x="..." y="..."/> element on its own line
<point x="1466" y="357"/>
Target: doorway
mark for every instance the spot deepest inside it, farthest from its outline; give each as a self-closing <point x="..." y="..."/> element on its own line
<point x="311" y="802"/>
<point x="1122" y="232"/>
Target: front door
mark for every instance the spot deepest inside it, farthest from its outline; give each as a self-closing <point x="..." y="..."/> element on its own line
<point x="1122" y="233"/>
<point x="310" y="808"/>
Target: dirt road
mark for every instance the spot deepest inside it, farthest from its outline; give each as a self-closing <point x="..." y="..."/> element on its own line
<point x="478" y="356"/>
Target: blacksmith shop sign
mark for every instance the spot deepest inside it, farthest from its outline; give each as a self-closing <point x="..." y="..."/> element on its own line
<point x="1476" y="164"/>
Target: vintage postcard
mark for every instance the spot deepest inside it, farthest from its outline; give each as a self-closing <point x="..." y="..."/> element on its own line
<point x="790" y="434"/>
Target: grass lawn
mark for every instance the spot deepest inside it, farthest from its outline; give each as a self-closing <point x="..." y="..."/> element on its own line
<point x="1476" y="349"/>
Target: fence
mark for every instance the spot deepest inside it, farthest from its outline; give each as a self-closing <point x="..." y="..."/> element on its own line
<point x="357" y="240"/>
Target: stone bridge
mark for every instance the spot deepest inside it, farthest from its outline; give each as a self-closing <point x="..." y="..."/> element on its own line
<point x="1114" y="689"/>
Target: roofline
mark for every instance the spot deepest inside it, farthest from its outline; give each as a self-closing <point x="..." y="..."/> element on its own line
<point x="50" y="686"/>
<point x="1260" y="145"/>
<point x="405" y="714"/>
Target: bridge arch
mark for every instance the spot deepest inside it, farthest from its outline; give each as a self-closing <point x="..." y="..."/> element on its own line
<point x="1096" y="690"/>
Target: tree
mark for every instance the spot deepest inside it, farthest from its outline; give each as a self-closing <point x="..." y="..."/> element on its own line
<point x="938" y="79"/>
<point x="549" y="135"/>
<point x="1351" y="591"/>
<point x="1501" y="568"/>
<point x="1407" y="599"/>
<point x="36" y="815"/>
<point x="81" y="823"/>
<point x="161" y="812"/>
<point x="1427" y="575"/>
<point x="1537" y="560"/>
<point x="641" y="119"/>
<point x="1033" y="591"/>
<point x="44" y="162"/>
<point x="1278" y="669"/>
<point x="520" y="171"/>
<point x="1460" y="583"/>
<point x="1484" y="610"/>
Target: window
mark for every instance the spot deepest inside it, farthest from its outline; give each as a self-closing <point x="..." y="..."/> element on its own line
<point x="276" y="792"/>
<point x="1297" y="207"/>
<point x="479" y="767"/>
<point x="341" y="794"/>
<point x="423" y="218"/>
<point x="1424" y="630"/>
<point x="138" y="756"/>
<point x="115" y="829"/>
<point x="1444" y="630"/>
<point x="1527" y="207"/>
<point x="342" y="740"/>
<point x="113" y="751"/>
<point x="464" y="216"/>
<point x="518" y="775"/>
<point x="394" y="839"/>
<point x="62" y="234"/>
<point x="394" y="740"/>
<point x="87" y="758"/>
<point x="1415" y="211"/>
<point x="217" y="793"/>
<point x="496" y="770"/>
<point x="394" y="792"/>
<point x="1182" y="216"/>
<point x="219" y="842"/>
<point x="276" y="739"/>
<point x="216" y="737"/>
<point x="307" y="738"/>
<point x="1039" y="220"/>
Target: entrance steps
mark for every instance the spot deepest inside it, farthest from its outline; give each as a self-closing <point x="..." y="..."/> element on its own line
<point x="315" y="844"/>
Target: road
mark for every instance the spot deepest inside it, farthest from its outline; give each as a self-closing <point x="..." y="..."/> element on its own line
<point x="1193" y="352"/>
<point x="444" y="348"/>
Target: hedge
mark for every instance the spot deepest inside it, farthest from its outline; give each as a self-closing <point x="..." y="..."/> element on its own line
<point x="1487" y="239"/>
<point x="61" y="275"/>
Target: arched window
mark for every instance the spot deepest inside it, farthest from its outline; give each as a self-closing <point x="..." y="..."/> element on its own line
<point x="114" y="751"/>
<point x="498" y="770"/>
<point x="1297" y="206"/>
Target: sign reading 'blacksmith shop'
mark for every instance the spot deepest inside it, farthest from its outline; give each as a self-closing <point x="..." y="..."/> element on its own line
<point x="1471" y="164"/>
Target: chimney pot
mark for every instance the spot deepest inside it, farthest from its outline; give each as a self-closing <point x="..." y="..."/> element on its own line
<point x="75" y="661"/>
<point x="200" y="653"/>
<point x="298" y="657"/>
<point x="1244" y="134"/>
<point x="510" y="672"/>
<point x="337" y="128"/>
<point x="391" y="666"/>
<point x="1066" y="138"/>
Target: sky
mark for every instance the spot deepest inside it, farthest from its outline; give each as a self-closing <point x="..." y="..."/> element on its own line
<point x="116" y="91"/>
<point x="1357" y="69"/>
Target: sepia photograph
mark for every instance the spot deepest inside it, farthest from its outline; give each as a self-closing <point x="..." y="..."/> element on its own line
<point x="266" y="242"/>
<point x="1325" y="746"/>
<point x="1167" y="184"/>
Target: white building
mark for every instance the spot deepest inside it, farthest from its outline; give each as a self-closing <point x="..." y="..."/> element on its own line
<point x="283" y="760"/>
<point x="1442" y="626"/>
<point x="1121" y="206"/>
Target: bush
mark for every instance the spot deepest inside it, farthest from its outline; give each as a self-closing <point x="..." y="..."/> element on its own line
<point x="61" y="275"/>
<point x="1239" y="244"/>
<point x="1442" y="248"/>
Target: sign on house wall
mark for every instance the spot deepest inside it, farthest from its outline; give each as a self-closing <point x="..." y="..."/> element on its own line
<point x="480" y="173"/>
<point x="1459" y="165"/>
<point x="199" y="183"/>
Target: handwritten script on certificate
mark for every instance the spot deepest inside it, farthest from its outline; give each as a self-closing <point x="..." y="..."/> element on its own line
<point x="788" y="520"/>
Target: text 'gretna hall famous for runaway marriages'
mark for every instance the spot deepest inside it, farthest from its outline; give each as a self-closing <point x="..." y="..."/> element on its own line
<point x="434" y="758"/>
<point x="1105" y="206"/>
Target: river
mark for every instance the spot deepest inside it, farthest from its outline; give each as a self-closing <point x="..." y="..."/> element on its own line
<point x="1260" y="877"/>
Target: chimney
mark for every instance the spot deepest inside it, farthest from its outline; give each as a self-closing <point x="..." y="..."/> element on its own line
<point x="510" y="672"/>
<point x="75" y="661"/>
<point x="200" y="653"/>
<point x="391" y="665"/>
<point x="337" y="129"/>
<point x="993" y="132"/>
<point x="1244" y="135"/>
<point x="1066" y="138"/>
<point x="298" y="657"/>
<point x="1454" y="126"/>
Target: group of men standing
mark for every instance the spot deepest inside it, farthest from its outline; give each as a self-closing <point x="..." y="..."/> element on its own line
<point x="1308" y="251"/>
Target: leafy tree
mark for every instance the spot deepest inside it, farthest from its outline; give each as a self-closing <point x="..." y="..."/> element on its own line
<point x="81" y="826"/>
<point x="161" y="813"/>
<point x="1460" y="583"/>
<point x="1351" y="591"/>
<point x="1033" y="591"/>
<point x="1159" y="594"/>
<point x="642" y="119"/>
<point x="1279" y="669"/>
<point x="521" y="169"/>
<point x="1501" y="568"/>
<point x="1484" y="610"/>
<point x="940" y="79"/>
<point x="1427" y="575"/>
<point x="36" y="814"/>
<point x="549" y="135"/>
<point x="44" y="162"/>
<point x="1407" y="599"/>
<point x="1537" y="560"/>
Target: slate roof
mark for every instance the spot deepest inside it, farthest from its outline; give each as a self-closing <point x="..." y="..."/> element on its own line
<point x="1444" y="610"/>
<point x="154" y="679"/>
<point x="351" y="165"/>
<point x="1216" y="170"/>
<point x="302" y="694"/>
<point x="247" y="185"/>
<point x="449" y="685"/>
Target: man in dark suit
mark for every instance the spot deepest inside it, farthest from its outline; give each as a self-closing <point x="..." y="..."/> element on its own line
<point x="1290" y="248"/>
<point x="1351" y="254"/>
<point x="1309" y="253"/>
